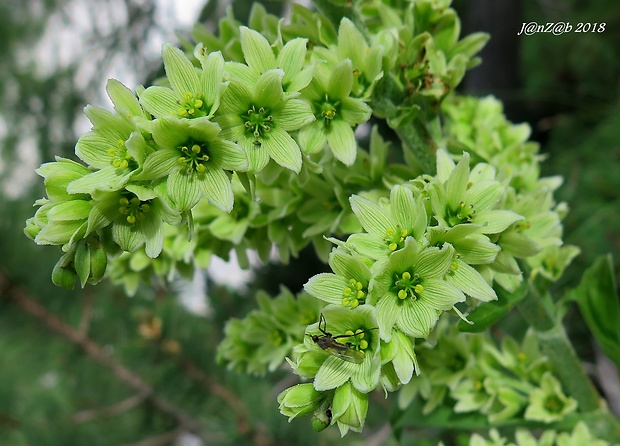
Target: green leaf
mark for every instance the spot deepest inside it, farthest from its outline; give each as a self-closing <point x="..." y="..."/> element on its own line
<point x="597" y="298"/>
<point x="488" y="313"/>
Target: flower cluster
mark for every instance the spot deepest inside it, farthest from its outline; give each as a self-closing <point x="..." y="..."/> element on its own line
<point x="579" y="435"/>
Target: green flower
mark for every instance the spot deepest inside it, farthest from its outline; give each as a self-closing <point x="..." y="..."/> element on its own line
<point x="115" y="147"/>
<point x="387" y="227"/>
<point x="581" y="435"/>
<point x="331" y="370"/>
<point x="300" y="400"/>
<point x="137" y="217"/>
<point x="460" y="196"/>
<point x="194" y="160"/>
<point x="260" y="58"/>
<point x="257" y="114"/>
<point x="398" y="356"/>
<point x="349" y="408"/>
<point x="195" y="92"/>
<point x="548" y="403"/>
<point x="335" y="111"/>
<point x="409" y="291"/>
<point x="347" y="287"/>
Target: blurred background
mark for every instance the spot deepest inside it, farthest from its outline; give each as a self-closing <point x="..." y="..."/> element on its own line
<point x="95" y="367"/>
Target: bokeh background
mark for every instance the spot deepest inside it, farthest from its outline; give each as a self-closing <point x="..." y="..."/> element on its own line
<point x="96" y="367"/>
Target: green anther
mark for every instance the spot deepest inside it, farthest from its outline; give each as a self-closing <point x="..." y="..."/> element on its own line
<point x="352" y="282"/>
<point x="116" y="163"/>
<point x="135" y="201"/>
<point x="200" y="168"/>
<point x="131" y="219"/>
<point x="347" y="291"/>
<point x="418" y="288"/>
<point x="359" y="333"/>
<point x="123" y="201"/>
<point x="196" y="148"/>
<point x="191" y="111"/>
<point x="145" y="207"/>
<point x="124" y="164"/>
<point x="363" y="344"/>
<point x="188" y="95"/>
<point x="198" y="103"/>
<point x="392" y="246"/>
<point x="454" y="266"/>
<point x="123" y="210"/>
<point x="345" y="301"/>
<point x="404" y="233"/>
<point x="359" y="286"/>
<point x="389" y="232"/>
<point x="181" y="160"/>
<point x="349" y="333"/>
<point x="181" y="112"/>
<point x="406" y="275"/>
<point x="360" y="294"/>
<point x="402" y="294"/>
<point x="355" y="303"/>
<point x="111" y="152"/>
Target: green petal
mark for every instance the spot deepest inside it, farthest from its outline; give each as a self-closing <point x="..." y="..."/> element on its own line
<point x="368" y="245"/>
<point x="417" y="319"/>
<point x="218" y="189"/>
<point x="70" y="210"/>
<point x="240" y="72"/>
<point x="403" y="206"/>
<point x="371" y="216"/>
<point x="355" y="111"/>
<point x="342" y="142"/>
<point x="154" y="233"/>
<point x="292" y="58"/>
<point x="387" y="314"/>
<point x="180" y="71"/>
<point x="469" y="281"/>
<point x="496" y="221"/>
<point x="408" y="257"/>
<point x="228" y="155"/>
<point x="92" y="148"/>
<point x="201" y="129"/>
<point x="127" y="236"/>
<point x="333" y="373"/>
<point x="351" y="42"/>
<point x="484" y="195"/>
<point x="256" y="50"/>
<point x="476" y="249"/>
<point x="366" y="377"/>
<point x="348" y="266"/>
<point x="107" y="179"/>
<point x="170" y="133"/>
<point x="136" y="146"/>
<point x="283" y="149"/>
<point x="433" y="262"/>
<point x="258" y="157"/>
<point x="161" y="102"/>
<point x="268" y="90"/>
<point x="160" y="164"/>
<point x="101" y="216"/>
<point x="295" y="114"/>
<point x="59" y="234"/>
<point x="405" y="359"/>
<point x="112" y="126"/>
<point x="456" y="184"/>
<point x="327" y="287"/>
<point x="445" y="165"/>
<point x="236" y="99"/>
<point x="183" y="190"/>
<point x="312" y="137"/>
<point x="341" y="80"/>
<point x="125" y="101"/>
<point x="211" y="78"/>
<point x="440" y="295"/>
<point x="300" y="80"/>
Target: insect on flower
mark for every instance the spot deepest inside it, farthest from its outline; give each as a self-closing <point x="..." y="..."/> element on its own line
<point x="347" y="352"/>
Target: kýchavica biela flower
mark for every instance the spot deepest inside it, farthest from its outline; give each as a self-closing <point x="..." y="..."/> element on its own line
<point x="193" y="161"/>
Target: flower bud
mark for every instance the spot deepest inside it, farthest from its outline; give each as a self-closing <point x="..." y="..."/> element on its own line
<point x="62" y="276"/>
<point x="98" y="264"/>
<point x="300" y="400"/>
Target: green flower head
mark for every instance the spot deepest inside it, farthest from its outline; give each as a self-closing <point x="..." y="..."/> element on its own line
<point x="194" y="160"/>
<point x="347" y="287"/>
<point x="335" y="111"/>
<point x="195" y="93"/>
<point x="409" y="291"/>
<point x="548" y="403"/>
<point x="258" y="115"/>
<point x="388" y="228"/>
<point x="342" y="347"/>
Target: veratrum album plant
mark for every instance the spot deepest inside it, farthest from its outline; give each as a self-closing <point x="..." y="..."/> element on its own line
<point x="342" y="129"/>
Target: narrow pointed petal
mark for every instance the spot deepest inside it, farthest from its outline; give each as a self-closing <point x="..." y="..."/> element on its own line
<point x="201" y="129"/>
<point x="355" y="111"/>
<point x="371" y="216"/>
<point x="342" y="142"/>
<point x="180" y="71"/>
<point x="256" y="50"/>
<point x="127" y="236"/>
<point x="368" y="245"/>
<point x="258" y="157"/>
<point x="469" y="281"/>
<point x="283" y="149"/>
<point x="154" y="233"/>
<point x="341" y="80"/>
<point x="333" y="373"/>
<point x="170" y="133"/>
<point x="387" y="313"/>
<point x="403" y="206"/>
<point x="125" y="101"/>
<point x="349" y="266"/>
<point x="433" y="262"/>
<point x="312" y="137"/>
<point x="160" y="164"/>
<point x="110" y="125"/>
<point x="268" y="90"/>
<point x="327" y="287"/>
<point x="160" y="101"/>
<point x="228" y="155"/>
<point x="295" y="114"/>
<point x="485" y="195"/>
<point x="496" y="221"/>
<point x="440" y="294"/>
<point x="92" y="148"/>
<point x="184" y="190"/>
<point x="107" y="179"/>
<point x="217" y="188"/>
<point x="416" y="319"/>
<point x="211" y="77"/>
<point x="292" y="58"/>
<point x="445" y="165"/>
<point x="456" y="184"/>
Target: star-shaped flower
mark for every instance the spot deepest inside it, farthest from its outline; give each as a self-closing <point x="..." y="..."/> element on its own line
<point x="193" y="161"/>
